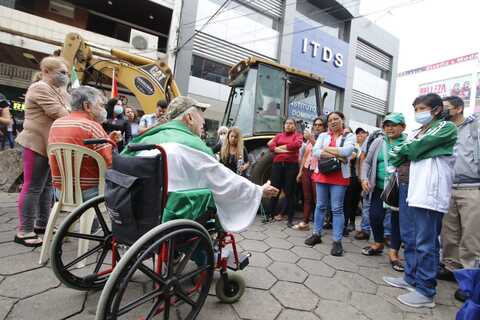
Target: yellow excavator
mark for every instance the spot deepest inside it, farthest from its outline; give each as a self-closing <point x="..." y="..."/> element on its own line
<point x="147" y="79"/>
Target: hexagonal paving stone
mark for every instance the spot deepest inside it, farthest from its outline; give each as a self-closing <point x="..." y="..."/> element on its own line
<point x="7" y="236"/>
<point x="258" y="278"/>
<point x="259" y="259"/>
<point x="213" y="309"/>
<point x="278" y="243"/>
<point x="340" y="263"/>
<point x="327" y="288"/>
<point x="5" y="306"/>
<point x="254" y="235"/>
<point x="376" y="275"/>
<point x="366" y="261"/>
<point x="34" y="281"/>
<point x="288" y="314"/>
<point x="323" y="248"/>
<point x="39" y="307"/>
<point x="296" y="233"/>
<point x="298" y="241"/>
<point x="282" y="255"/>
<point x="444" y="312"/>
<point x="333" y="310"/>
<point x="294" y="295"/>
<point x="287" y="272"/>
<point x="355" y="282"/>
<point x="307" y="252"/>
<point x="12" y="249"/>
<point x="375" y="307"/>
<point x="254" y="245"/>
<point x="257" y="227"/>
<point x="22" y="262"/>
<point x="276" y="234"/>
<point x="257" y="304"/>
<point x="316" y="268"/>
<point x="390" y="294"/>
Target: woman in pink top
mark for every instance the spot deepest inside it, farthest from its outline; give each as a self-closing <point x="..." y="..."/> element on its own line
<point x="308" y="165"/>
<point x="285" y="145"/>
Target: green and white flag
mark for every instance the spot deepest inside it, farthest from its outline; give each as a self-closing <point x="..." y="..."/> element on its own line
<point x="191" y="166"/>
<point x="75" y="83"/>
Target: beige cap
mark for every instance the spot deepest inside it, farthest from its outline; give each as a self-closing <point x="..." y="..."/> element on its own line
<point x="181" y="104"/>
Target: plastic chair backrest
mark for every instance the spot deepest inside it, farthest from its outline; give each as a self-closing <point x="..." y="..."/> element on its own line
<point x="69" y="158"/>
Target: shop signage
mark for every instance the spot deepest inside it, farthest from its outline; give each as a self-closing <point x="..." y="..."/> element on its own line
<point x="315" y="51"/>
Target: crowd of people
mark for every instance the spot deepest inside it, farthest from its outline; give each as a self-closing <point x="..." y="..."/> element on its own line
<point x="432" y="173"/>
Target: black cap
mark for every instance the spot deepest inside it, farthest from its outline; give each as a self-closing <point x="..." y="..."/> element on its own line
<point x="360" y="130"/>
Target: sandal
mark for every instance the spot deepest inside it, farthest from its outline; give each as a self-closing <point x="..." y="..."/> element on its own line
<point x="23" y="242"/>
<point x="397" y="265"/>
<point x="302" y="226"/>
<point x="278" y="217"/>
<point x="369" y="251"/>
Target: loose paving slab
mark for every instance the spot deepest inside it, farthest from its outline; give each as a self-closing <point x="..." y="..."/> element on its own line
<point x="38" y="280"/>
<point x="67" y="302"/>
<point x="287" y="272"/>
<point x="316" y="268"/>
<point x="257" y="304"/>
<point x="282" y="255"/>
<point x="294" y="295"/>
<point x="327" y="288"/>
<point x="333" y="310"/>
<point x="258" y="278"/>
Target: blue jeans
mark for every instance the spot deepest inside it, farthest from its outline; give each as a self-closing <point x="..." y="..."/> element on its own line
<point x="337" y="194"/>
<point x="387" y="224"/>
<point x="419" y="229"/>
<point x="365" y="224"/>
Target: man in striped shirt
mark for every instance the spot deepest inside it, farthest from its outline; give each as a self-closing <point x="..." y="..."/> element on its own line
<point x="88" y="112"/>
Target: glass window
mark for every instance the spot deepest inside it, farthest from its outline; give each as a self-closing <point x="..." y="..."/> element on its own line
<point x="244" y="119"/>
<point x="302" y="100"/>
<point x="270" y="99"/>
<point x="209" y="70"/>
<point x="330" y="99"/>
<point x="316" y="16"/>
<point x="371" y="69"/>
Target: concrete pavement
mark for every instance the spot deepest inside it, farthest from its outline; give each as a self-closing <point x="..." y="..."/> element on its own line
<point x="285" y="280"/>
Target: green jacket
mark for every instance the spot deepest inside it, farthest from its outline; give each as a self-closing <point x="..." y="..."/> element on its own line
<point x="172" y="131"/>
<point x="438" y="140"/>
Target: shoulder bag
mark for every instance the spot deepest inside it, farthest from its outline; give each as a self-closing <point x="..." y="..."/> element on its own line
<point x="390" y="191"/>
<point x="332" y="164"/>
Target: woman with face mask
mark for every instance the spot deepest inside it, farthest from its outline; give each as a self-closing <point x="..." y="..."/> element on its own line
<point x="117" y="122"/>
<point x="425" y="174"/>
<point x="45" y="101"/>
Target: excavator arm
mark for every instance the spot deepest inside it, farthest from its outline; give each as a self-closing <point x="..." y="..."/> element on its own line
<point x="149" y="80"/>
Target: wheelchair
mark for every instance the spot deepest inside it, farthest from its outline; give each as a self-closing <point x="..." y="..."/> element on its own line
<point x="150" y="264"/>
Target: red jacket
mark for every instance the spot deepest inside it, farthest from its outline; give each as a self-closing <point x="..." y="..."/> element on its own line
<point x="293" y="141"/>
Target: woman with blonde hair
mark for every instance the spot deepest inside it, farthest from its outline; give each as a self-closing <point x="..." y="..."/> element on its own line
<point x="45" y="101"/>
<point x="233" y="154"/>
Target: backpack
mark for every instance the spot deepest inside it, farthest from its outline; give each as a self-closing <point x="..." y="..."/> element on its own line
<point x="372" y="138"/>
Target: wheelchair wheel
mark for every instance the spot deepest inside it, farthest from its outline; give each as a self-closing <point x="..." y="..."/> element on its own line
<point x="154" y="277"/>
<point x="230" y="288"/>
<point x="83" y="260"/>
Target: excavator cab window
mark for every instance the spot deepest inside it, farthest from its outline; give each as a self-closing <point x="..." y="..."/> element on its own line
<point x="303" y="100"/>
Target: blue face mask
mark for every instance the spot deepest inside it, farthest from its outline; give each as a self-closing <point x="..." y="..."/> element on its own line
<point x="424" y="117"/>
<point x="118" y="109"/>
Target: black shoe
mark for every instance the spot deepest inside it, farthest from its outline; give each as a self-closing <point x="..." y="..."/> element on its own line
<point x="337" y="249"/>
<point x="445" y="274"/>
<point x="289" y="224"/>
<point x="346" y="233"/>
<point x="313" y="240"/>
<point x="327" y="226"/>
<point x="351" y="227"/>
<point x="461" y="295"/>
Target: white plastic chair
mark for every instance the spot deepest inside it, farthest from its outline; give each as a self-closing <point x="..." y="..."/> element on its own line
<point x="69" y="158"/>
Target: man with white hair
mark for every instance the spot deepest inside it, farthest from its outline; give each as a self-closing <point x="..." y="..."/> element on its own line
<point x="84" y="122"/>
<point x="191" y="165"/>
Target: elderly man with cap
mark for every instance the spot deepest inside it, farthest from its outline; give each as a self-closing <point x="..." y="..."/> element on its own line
<point x="374" y="175"/>
<point x="192" y="165"/>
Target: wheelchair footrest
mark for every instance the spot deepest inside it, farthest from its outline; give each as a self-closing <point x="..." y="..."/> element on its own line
<point x="242" y="261"/>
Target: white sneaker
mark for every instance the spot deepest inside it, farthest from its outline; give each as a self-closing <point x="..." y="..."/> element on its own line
<point x="416" y="300"/>
<point x="398" y="283"/>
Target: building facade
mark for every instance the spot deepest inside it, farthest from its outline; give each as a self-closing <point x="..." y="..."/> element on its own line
<point x="356" y="58"/>
<point x="202" y="39"/>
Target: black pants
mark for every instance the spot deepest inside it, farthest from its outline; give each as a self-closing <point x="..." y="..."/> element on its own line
<point x="352" y="198"/>
<point x="377" y="217"/>
<point x="284" y="176"/>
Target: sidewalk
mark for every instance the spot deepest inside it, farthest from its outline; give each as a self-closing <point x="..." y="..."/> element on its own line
<point x="285" y="280"/>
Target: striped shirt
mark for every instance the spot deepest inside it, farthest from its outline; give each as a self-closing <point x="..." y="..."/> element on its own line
<point x="73" y="129"/>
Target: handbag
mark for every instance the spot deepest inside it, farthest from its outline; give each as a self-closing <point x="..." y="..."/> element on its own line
<point x="390" y="192"/>
<point x="332" y="164"/>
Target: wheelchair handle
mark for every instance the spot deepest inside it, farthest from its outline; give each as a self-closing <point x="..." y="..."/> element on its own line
<point x="141" y="146"/>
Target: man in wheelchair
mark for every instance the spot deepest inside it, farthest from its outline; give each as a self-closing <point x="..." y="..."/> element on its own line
<point x="192" y="167"/>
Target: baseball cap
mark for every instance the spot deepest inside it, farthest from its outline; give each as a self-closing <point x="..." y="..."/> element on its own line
<point x="395" y="117"/>
<point x="181" y="104"/>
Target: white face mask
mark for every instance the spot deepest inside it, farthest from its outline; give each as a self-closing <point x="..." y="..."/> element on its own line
<point x="423" y="117"/>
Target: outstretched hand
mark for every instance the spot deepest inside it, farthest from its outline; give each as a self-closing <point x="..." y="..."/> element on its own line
<point x="269" y="190"/>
